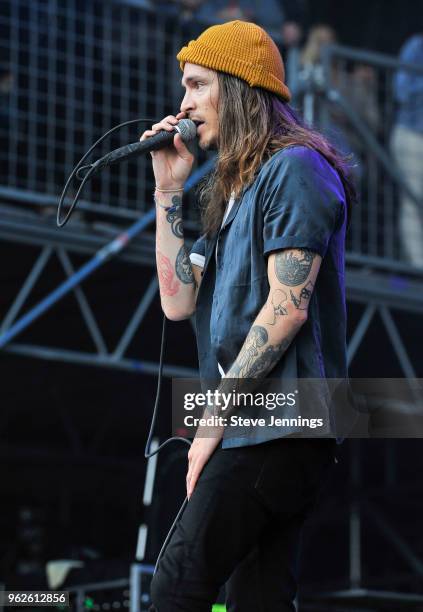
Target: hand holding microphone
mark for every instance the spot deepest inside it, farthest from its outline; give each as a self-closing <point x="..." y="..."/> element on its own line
<point x="151" y="140"/>
<point x="172" y="164"/>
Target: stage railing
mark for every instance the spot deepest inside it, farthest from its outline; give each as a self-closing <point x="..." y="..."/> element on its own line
<point x="68" y="73"/>
<point x="350" y="96"/>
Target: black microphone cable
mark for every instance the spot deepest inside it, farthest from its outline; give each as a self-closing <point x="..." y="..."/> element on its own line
<point x="79" y="167"/>
<point x="91" y="168"/>
<point x="148" y="454"/>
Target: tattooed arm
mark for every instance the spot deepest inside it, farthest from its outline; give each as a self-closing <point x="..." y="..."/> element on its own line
<point x="172" y="166"/>
<point x="292" y="275"/>
<point x="177" y="278"/>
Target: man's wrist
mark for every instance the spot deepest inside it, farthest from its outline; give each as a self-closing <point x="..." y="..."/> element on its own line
<point x="170" y="201"/>
<point x="169" y="189"/>
<point x="211" y="410"/>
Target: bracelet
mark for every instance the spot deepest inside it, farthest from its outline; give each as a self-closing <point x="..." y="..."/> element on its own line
<point x="168" y="190"/>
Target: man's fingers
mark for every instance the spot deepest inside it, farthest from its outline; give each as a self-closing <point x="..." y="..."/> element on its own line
<point x="194" y="470"/>
<point x="168" y="123"/>
<point x="158" y="127"/>
<point x="181" y="148"/>
<point x="188" y="482"/>
<point x="147" y="134"/>
<point x="192" y="482"/>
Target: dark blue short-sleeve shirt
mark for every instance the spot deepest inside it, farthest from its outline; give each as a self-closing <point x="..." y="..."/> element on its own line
<point x="296" y="201"/>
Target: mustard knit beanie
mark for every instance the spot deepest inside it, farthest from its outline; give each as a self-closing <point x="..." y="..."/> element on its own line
<point x="242" y="49"/>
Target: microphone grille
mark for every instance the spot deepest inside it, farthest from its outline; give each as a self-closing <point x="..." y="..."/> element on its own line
<point x="187" y="129"/>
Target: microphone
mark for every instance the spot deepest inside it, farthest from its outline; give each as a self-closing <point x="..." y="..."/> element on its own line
<point x="186" y="128"/>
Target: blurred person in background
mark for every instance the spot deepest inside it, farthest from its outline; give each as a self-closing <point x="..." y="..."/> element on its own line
<point x="407" y="148"/>
<point x="265" y="280"/>
<point x="306" y="73"/>
<point x="283" y="19"/>
<point x="358" y="85"/>
<point x="319" y="36"/>
<point x="183" y="10"/>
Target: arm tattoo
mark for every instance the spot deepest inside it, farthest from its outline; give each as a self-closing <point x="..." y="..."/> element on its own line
<point x="251" y="362"/>
<point x="278" y="299"/>
<point x="183" y="266"/>
<point x="174" y="217"/>
<point x="292" y="269"/>
<point x="305" y="294"/>
<point x="169" y="285"/>
<point x="257" y="337"/>
<point x="269" y="357"/>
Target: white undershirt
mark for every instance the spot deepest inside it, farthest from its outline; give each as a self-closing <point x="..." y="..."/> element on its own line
<point x="198" y="260"/>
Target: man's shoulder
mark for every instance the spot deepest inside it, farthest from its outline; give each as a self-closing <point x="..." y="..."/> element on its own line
<point x="295" y="161"/>
<point x="294" y="156"/>
<point x="298" y="173"/>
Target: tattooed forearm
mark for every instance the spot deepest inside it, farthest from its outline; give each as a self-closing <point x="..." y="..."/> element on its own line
<point x="256" y="357"/>
<point x="256" y="338"/>
<point x="174" y="217"/>
<point x="169" y="285"/>
<point x="277" y="301"/>
<point x="268" y="358"/>
<point x="253" y="364"/>
<point x="293" y="267"/>
<point x="302" y="301"/>
<point x="183" y="266"/>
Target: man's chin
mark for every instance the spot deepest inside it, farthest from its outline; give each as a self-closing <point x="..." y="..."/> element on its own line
<point x="207" y="145"/>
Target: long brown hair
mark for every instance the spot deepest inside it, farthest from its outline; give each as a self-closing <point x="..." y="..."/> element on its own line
<point x="253" y="125"/>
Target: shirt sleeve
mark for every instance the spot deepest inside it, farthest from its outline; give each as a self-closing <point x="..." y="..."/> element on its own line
<point x="303" y="200"/>
<point x="198" y="252"/>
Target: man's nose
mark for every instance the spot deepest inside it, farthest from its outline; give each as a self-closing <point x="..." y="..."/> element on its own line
<point x="187" y="103"/>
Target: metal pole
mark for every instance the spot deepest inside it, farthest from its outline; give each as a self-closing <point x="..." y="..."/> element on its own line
<point x="136" y="319"/>
<point x="84" y="305"/>
<point x="134" y="589"/>
<point x="355" y="516"/>
<point x="93" y="359"/>
<point x="99" y="259"/>
<point x="359" y="332"/>
<point x="26" y="288"/>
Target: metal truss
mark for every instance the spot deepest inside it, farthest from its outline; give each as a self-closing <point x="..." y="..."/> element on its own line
<point x="59" y="243"/>
<point x="382" y="294"/>
<point x="379" y="292"/>
<point x="11" y="327"/>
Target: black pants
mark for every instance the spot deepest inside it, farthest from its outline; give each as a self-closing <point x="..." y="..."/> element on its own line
<point x="242" y="527"/>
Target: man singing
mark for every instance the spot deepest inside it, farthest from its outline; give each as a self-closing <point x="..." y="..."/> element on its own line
<point x="266" y="283"/>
